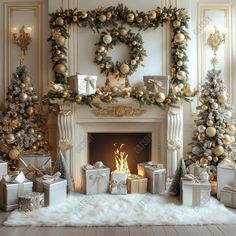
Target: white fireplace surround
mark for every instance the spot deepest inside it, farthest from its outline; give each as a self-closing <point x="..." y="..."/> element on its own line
<point x="76" y="121"/>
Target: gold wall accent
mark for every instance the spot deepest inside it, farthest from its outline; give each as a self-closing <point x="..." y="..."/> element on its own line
<point x="119" y="111"/>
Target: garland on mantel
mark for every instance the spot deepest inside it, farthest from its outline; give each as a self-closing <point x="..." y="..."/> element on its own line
<point x="104" y="17"/>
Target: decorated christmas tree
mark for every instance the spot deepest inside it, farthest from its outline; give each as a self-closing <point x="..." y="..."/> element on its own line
<point x="215" y="127"/>
<point x="21" y="125"/>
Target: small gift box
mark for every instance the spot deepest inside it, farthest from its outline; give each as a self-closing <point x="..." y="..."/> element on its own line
<point x="156" y="179"/>
<point x="31" y="201"/>
<point x="157" y="84"/>
<point x="195" y="192"/>
<point x="195" y="169"/>
<point x="141" y="169"/>
<point x="226" y="175"/>
<point x="3" y="168"/>
<point x="118" y="183"/>
<point x="11" y="187"/>
<point x="53" y="187"/>
<point x="228" y="196"/>
<point x="136" y="184"/>
<point x="83" y="84"/>
<point x="95" y="179"/>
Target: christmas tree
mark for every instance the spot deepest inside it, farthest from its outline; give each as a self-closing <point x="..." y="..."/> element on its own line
<point x="21" y="125"/>
<point x="215" y="127"/>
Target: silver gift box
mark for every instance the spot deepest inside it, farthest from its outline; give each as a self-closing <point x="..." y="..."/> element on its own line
<point x="55" y="192"/>
<point x="3" y="169"/>
<point x="156" y="179"/>
<point x="228" y="197"/>
<point x="118" y="183"/>
<point x="141" y="169"/>
<point x="31" y="201"/>
<point x="9" y="193"/>
<point x="96" y="180"/>
<point x="156" y="83"/>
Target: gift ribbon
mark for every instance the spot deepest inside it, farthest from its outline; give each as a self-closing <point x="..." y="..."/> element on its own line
<point x="156" y="84"/>
<point x="50" y="178"/>
<point x="118" y="184"/>
<point x="96" y="178"/>
<point x="89" y="82"/>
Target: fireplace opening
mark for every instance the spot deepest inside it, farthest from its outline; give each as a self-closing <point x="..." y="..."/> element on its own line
<point x="137" y="146"/>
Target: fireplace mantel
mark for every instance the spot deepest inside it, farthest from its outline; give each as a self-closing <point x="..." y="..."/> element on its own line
<point x="76" y="121"/>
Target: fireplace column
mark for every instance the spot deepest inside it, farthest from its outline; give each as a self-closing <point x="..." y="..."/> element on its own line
<point x="174" y="138"/>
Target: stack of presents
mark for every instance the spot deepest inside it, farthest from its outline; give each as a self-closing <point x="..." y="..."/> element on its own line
<point x="31" y="187"/>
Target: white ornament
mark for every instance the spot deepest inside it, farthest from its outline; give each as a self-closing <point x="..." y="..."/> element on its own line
<point x="215" y="106"/>
<point x="211" y="100"/>
<point x="107" y="39"/>
<point x="228" y="114"/>
<point x="201" y="128"/>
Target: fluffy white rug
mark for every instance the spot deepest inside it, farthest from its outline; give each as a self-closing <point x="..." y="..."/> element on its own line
<point x="132" y="209"/>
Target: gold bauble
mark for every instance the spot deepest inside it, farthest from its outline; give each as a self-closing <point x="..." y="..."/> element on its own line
<point x="109" y="15"/>
<point x="181" y="75"/>
<point x="130" y="17"/>
<point x="60" y="40"/>
<point x="78" y="99"/>
<point x="188" y="90"/>
<point x="26" y="79"/>
<point x="176" y="24"/>
<point x="204" y="161"/>
<point x="168" y="100"/>
<point x="4" y="147"/>
<point x="152" y="15"/>
<point x="23" y="97"/>
<point x="102" y="18"/>
<point x="59" y="21"/>
<point x="210" y="123"/>
<point x="64" y="94"/>
<point x="160" y="97"/>
<point x="14" y="114"/>
<point x="75" y="18"/>
<point x="31" y="130"/>
<point x="60" y="68"/>
<point x="109" y="98"/>
<point x="218" y="150"/>
<point x="179" y="63"/>
<point x="124" y="69"/>
<point x="34" y="147"/>
<point x="211" y="131"/>
<point x="204" y="107"/>
<point x="226" y="139"/>
<point x="14" y="154"/>
<point x="10" y="139"/>
<point x="39" y="136"/>
<point x="84" y="14"/>
<point x="231" y="128"/>
<point x="179" y="38"/>
<point x="123" y="31"/>
<point x="101" y="49"/>
<point x="222" y="98"/>
<point x="30" y="110"/>
<point x="126" y="94"/>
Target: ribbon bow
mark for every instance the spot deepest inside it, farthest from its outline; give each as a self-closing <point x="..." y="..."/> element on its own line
<point x="89" y="82"/>
<point x="19" y="178"/>
<point x="119" y="184"/>
<point x="228" y="163"/>
<point x="50" y="178"/>
<point x="97" y="177"/>
<point x="156" y="84"/>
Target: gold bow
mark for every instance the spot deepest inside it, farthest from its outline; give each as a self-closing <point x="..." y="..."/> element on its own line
<point x="156" y="84"/>
<point x="50" y="178"/>
<point x="119" y="184"/>
<point x="89" y="82"/>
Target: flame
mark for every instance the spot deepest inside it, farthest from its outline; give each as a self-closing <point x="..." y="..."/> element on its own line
<point x="121" y="160"/>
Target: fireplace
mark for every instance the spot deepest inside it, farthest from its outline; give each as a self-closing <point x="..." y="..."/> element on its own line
<point x="76" y="123"/>
<point x="136" y="145"/>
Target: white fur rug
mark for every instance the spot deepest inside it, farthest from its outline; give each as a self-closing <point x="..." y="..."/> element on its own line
<point x="131" y="209"/>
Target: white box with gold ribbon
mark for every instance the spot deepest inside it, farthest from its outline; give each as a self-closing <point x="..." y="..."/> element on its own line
<point x="95" y="180"/>
<point x="118" y="183"/>
<point x="141" y="170"/>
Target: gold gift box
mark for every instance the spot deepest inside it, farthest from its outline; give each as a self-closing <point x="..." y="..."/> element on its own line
<point x="137" y="184"/>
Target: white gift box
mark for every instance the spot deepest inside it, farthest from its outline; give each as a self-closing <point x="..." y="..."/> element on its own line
<point x="141" y="170"/>
<point x="118" y="183"/>
<point x="95" y="180"/>
<point x="83" y="84"/>
<point x="136" y="184"/>
<point x="228" y="197"/>
<point x="156" y="179"/>
<point x="55" y="191"/>
<point x="226" y="175"/>
<point x="3" y="169"/>
<point x="157" y="83"/>
<point x="195" y="169"/>
<point x="195" y="193"/>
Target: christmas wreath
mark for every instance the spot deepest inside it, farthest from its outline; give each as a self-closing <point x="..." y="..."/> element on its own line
<point x="113" y="37"/>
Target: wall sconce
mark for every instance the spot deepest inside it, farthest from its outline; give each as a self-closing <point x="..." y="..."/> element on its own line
<point x="215" y="39"/>
<point x="23" y="39"/>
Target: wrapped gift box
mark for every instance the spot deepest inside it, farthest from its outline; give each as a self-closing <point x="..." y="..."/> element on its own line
<point x="157" y="83"/>
<point x="226" y="175"/>
<point x="95" y="180"/>
<point x="11" y="187"/>
<point x="141" y="170"/>
<point x="195" y="169"/>
<point x="195" y="193"/>
<point x="83" y="84"/>
<point x="136" y="184"/>
<point x="54" y="189"/>
<point x="156" y="179"/>
<point x="228" y="196"/>
<point x="31" y="201"/>
<point x="118" y="183"/>
<point x="3" y="168"/>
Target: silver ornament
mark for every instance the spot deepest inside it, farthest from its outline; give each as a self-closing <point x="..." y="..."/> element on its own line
<point x="107" y="39"/>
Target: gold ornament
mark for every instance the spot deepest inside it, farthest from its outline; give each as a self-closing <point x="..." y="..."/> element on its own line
<point x="75" y="18"/>
<point x="160" y="97"/>
<point x="211" y="131"/>
<point x="10" y="139"/>
<point x="226" y="139"/>
<point x="59" y="21"/>
<point x="39" y="136"/>
<point x="130" y="17"/>
<point x="181" y="75"/>
<point x="31" y="130"/>
<point x="123" y="31"/>
<point x="60" y="40"/>
<point x="84" y="14"/>
<point x="64" y="94"/>
<point x="179" y="63"/>
<point x="34" y="147"/>
<point x="126" y="94"/>
<point x="102" y="18"/>
<point x="168" y="100"/>
<point x="179" y="38"/>
<point x="218" y="150"/>
<point x="204" y="107"/>
<point x="188" y="90"/>
<point x="30" y="110"/>
<point x="231" y="128"/>
<point x="23" y="97"/>
<point x="26" y="79"/>
<point x="214" y="105"/>
<point x="222" y="98"/>
<point x="78" y="99"/>
<point x="14" y="114"/>
<point x="180" y="55"/>
<point x="124" y="69"/>
<point x="14" y="154"/>
<point x="210" y="123"/>
<point x="101" y="49"/>
<point x="176" y="24"/>
<point x="152" y="15"/>
<point x="204" y="161"/>
<point x="60" y="68"/>
<point x="109" y="15"/>
<point x="4" y="147"/>
<point x="228" y="114"/>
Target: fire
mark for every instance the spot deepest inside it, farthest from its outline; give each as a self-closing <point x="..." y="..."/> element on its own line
<point x="121" y="160"/>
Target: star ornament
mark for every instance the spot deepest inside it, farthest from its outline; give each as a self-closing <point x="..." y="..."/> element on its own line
<point x="214" y="61"/>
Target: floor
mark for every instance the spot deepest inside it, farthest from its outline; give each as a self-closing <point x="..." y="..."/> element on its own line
<point x="182" y="230"/>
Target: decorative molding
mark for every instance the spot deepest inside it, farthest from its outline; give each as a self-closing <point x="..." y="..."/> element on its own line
<point x="119" y="111"/>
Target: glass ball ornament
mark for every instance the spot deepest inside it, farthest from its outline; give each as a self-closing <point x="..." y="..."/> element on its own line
<point x="214" y="105"/>
<point x="210" y="123"/>
<point x="160" y="97"/>
<point x="211" y="100"/>
<point x="107" y="39"/>
<point x="218" y="150"/>
<point x="10" y="139"/>
<point x="231" y="128"/>
<point x="211" y="131"/>
<point x="222" y="98"/>
<point x="14" y="154"/>
<point x="196" y="150"/>
<point x="130" y="17"/>
<point x="209" y="158"/>
<point x="31" y="130"/>
<point x="215" y="159"/>
<point x="23" y="97"/>
<point x="176" y="24"/>
<point x="152" y="15"/>
<point x="201" y="128"/>
<point x="179" y="38"/>
<point x="101" y="49"/>
<point x="181" y="75"/>
<point x="204" y="107"/>
<point x="124" y="69"/>
<point x="226" y="139"/>
<point x="26" y="79"/>
<point x="228" y="114"/>
<point x="59" y="21"/>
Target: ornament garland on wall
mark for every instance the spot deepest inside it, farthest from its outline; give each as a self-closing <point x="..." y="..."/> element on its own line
<point x="105" y="17"/>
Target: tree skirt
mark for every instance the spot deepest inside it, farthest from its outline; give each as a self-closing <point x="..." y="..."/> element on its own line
<point x="131" y="209"/>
